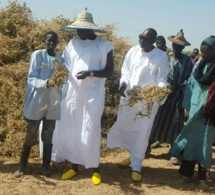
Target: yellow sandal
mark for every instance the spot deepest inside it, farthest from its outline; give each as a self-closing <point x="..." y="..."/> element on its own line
<point x="136" y="176"/>
<point x="96" y="178"/>
<point x="125" y="163"/>
<point x="69" y="174"/>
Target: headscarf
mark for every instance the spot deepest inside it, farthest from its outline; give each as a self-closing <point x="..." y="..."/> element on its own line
<point x="210" y="41"/>
<point x="209" y="77"/>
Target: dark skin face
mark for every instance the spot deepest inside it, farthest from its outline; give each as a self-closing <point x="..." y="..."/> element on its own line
<point x="86" y="34"/>
<point x="161" y="45"/>
<point x="177" y="49"/>
<point x="51" y="42"/>
<point x="147" y="39"/>
<point x="208" y="54"/>
<point x="195" y="53"/>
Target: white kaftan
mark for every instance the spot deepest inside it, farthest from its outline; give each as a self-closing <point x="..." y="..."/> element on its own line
<point x="139" y="69"/>
<point x="77" y="135"/>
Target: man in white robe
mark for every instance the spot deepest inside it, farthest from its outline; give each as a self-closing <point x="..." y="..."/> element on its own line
<point x="77" y="136"/>
<point x="144" y="64"/>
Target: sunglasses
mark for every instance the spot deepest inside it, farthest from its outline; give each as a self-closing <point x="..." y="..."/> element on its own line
<point x="141" y="37"/>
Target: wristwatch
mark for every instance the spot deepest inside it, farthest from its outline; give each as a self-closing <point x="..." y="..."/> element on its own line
<point x="91" y="74"/>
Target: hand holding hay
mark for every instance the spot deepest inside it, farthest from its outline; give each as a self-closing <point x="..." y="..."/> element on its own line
<point x="59" y="76"/>
<point x="150" y="94"/>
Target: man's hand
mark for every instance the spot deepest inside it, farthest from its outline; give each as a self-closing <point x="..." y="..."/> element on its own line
<point x="82" y="74"/>
<point x="122" y="89"/>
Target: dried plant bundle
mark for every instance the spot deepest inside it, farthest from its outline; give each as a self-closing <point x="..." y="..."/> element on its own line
<point x="59" y="77"/>
<point x="150" y="94"/>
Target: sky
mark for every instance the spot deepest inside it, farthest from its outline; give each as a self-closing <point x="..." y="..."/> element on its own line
<point x="132" y="17"/>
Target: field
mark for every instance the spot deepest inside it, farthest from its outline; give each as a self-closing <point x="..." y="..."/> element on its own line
<point x="160" y="177"/>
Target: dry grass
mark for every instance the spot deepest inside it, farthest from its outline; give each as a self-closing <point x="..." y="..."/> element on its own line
<point x="150" y="94"/>
<point x="12" y="84"/>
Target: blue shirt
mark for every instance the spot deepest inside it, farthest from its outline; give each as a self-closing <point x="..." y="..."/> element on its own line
<point x="41" y="101"/>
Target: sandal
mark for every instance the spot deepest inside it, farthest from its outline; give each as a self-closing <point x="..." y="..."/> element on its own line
<point x="96" y="178"/>
<point x="125" y="163"/>
<point x="136" y="176"/>
<point x="69" y="174"/>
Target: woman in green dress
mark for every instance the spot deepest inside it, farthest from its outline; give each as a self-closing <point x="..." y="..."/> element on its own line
<point x="194" y="143"/>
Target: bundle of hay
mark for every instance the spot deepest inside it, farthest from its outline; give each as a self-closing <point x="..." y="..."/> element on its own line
<point x="59" y="77"/>
<point x="150" y="94"/>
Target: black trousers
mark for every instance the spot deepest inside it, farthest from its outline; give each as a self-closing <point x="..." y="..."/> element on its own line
<point x="187" y="169"/>
<point x="32" y="129"/>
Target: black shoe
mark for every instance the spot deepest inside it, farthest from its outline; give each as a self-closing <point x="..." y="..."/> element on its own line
<point x="46" y="172"/>
<point x="23" y="161"/>
<point x="47" y="152"/>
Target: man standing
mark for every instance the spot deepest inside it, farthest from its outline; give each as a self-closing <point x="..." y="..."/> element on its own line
<point x="41" y="103"/>
<point x="171" y="116"/>
<point x="144" y="64"/>
<point x="195" y="56"/>
<point x="89" y="59"/>
<point x="161" y="44"/>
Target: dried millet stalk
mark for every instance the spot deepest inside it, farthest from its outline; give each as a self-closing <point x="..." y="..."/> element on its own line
<point x="150" y="94"/>
<point x="58" y="78"/>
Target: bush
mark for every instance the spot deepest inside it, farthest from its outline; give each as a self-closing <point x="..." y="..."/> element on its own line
<point x="12" y="126"/>
<point x="16" y="23"/>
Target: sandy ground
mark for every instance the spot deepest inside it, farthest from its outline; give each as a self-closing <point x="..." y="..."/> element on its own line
<point x="160" y="177"/>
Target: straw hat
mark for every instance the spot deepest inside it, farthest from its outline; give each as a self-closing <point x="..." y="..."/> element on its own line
<point x="179" y="39"/>
<point x="84" y="21"/>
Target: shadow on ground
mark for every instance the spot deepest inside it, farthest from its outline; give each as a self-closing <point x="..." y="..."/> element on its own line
<point x="112" y="175"/>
